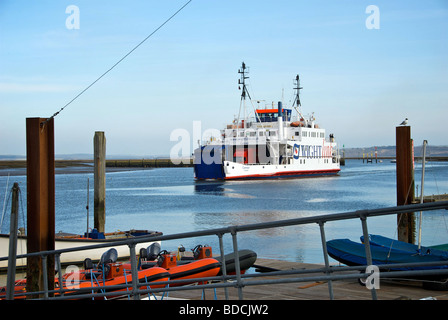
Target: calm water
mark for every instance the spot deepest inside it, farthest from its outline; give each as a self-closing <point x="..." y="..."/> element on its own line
<point x="169" y="200"/>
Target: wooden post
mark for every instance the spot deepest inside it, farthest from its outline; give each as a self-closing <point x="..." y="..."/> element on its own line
<point x="99" y="205"/>
<point x="40" y="200"/>
<point x="405" y="182"/>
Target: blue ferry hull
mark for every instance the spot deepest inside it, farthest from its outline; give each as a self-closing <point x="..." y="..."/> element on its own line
<point x="204" y="170"/>
<point x="209" y="171"/>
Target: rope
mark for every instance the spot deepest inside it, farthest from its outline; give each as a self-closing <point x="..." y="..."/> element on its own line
<point x="3" y="214"/>
<point x="4" y="202"/>
<point x="118" y="62"/>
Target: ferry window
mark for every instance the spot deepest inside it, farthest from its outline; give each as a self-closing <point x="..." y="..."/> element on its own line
<point x="304" y="134"/>
<point x="297" y="133"/>
<point x="263" y="117"/>
<point x="261" y="133"/>
<point x="272" y="133"/>
<point x="287" y="114"/>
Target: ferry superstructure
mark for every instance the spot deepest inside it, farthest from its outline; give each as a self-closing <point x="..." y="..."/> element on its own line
<point x="270" y="144"/>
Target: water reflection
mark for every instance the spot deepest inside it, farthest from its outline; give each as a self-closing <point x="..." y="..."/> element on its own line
<point x="209" y="188"/>
<point x="218" y="189"/>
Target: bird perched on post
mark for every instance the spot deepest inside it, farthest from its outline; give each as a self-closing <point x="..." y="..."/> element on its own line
<point x="405" y="122"/>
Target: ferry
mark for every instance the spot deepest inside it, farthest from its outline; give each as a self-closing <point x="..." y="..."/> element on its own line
<point x="267" y="143"/>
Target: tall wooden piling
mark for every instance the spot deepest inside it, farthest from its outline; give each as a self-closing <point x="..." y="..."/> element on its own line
<point x="40" y="201"/>
<point x="405" y="182"/>
<point x="99" y="205"/>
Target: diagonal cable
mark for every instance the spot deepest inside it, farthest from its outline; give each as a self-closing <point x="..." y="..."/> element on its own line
<point x="119" y="61"/>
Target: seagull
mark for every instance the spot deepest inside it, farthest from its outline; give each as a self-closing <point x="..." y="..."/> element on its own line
<point x="405" y="122"/>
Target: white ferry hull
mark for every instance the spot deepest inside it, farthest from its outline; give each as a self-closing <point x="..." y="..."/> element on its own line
<point x="241" y="171"/>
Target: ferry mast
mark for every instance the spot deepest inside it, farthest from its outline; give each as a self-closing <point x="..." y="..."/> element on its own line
<point x="242" y="81"/>
<point x="297" y="87"/>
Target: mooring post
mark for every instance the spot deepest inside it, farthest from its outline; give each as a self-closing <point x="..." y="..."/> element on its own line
<point x="40" y="201"/>
<point x="99" y="205"/>
<point x="405" y="182"/>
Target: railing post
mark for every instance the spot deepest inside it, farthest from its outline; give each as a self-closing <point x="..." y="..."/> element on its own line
<point x="45" y="275"/>
<point x="368" y="252"/>
<point x="134" y="271"/>
<point x="13" y="227"/>
<point x="327" y="263"/>
<point x="58" y="265"/>
<point x="223" y="264"/>
<point x="237" y="264"/>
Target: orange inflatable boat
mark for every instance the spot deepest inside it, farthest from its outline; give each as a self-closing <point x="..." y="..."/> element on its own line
<point x="202" y="268"/>
<point x="101" y="279"/>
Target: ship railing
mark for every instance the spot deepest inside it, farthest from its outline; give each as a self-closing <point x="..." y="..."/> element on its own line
<point x="327" y="273"/>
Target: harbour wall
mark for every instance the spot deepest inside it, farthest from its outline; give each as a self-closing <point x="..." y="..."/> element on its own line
<point x="112" y="163"/>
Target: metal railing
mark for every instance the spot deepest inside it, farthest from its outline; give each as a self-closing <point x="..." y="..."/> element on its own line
<point x="327" y="273"/>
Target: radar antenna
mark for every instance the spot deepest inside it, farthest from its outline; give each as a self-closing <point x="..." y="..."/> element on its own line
<point x="242" y="81"/>
<point x="296" y="104"/>
<point x="297" y="87"/>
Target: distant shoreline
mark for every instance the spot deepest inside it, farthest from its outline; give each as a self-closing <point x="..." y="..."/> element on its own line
<point x="18" y="167"/>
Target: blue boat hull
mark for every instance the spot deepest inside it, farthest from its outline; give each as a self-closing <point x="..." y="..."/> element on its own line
<point x="385" y="242"/>
<point x="203" y="170"/>
<point x="209" y="171"/>
<point x="353" y="254"/>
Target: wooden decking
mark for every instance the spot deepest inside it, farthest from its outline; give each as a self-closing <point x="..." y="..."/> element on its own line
<point x="342" y="289"/>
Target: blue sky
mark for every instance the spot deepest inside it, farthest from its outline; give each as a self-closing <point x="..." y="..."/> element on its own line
<point x="359" y="82"/>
